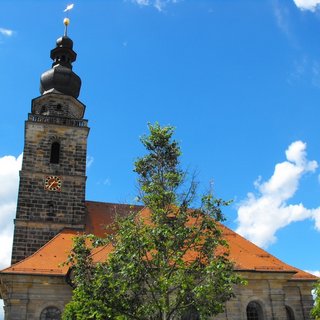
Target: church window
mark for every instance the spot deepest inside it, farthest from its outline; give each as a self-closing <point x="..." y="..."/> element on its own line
<point x="254" y="311"/>
<point x="290" y="314"/>
<point x="55" y="152"/>
<point x="50" y="313"/>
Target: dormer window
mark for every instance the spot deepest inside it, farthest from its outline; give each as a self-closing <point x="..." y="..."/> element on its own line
<point x="55" y="152"/>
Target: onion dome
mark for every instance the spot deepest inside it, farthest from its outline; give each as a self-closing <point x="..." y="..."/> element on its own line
<point x="60" y="78"/>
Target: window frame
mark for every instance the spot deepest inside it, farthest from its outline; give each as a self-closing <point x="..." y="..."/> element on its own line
<point x="256" y="308"/>
<point x="55" y="152"/>
<point x="44" y="316"/>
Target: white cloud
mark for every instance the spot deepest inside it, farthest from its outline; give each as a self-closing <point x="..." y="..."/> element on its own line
<point x="310" y="5"/>
<point x="305" y="69"/>
<point x="316" y="273"/>
<point x="141" y="2"/>
<point x="281" y="14"/>
<point x="6" y="32"/>
<point x="90" y="160"/>
<point x="260" y="216"/>
<point x="9" y="180"/>
<point x="158" y="4"/>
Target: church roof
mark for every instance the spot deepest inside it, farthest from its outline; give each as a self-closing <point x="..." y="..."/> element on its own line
<point x="49" y="259"/>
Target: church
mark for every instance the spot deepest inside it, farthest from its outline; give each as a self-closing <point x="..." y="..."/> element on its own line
<point x="52" y="209"/>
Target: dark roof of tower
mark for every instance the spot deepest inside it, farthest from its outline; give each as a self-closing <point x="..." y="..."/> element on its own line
<point x="60" y="78"/>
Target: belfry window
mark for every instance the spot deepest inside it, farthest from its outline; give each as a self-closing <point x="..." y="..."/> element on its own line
<point x="50" y="313"/>
<point x="254" y="311"/>
<point x="55" y="152"/>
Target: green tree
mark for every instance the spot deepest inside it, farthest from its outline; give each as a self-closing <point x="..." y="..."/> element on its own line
<point x="316" y="309"/>
<point x="165" y="262"/>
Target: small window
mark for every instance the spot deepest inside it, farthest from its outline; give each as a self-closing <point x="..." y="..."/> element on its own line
<point x="254" y="311"/>
<point x="290" y="314"/>
<point x="44" y="110"/>
<point x="50" y="313"/>
<point x="55" y="152"/>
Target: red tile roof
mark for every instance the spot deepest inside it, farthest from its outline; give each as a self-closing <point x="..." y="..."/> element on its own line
<point x="101" y="214"/>
<point x="47" y="260"/>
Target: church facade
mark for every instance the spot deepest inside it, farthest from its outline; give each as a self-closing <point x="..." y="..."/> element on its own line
<point x="52" y="209"/>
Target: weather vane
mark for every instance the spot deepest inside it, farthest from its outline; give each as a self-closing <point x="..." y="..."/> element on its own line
<point x="66" y="20"/>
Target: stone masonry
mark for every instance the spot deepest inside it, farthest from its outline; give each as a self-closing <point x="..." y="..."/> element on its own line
<point x="41" y="213"/>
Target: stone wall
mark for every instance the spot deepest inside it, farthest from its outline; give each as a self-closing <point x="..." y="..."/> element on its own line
<point x="274" y="292"/>
<point x="31" y="294"/>
<point x="26" y="296"/>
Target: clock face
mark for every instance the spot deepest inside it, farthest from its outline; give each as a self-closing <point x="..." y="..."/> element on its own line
<point x="52" y="183"/>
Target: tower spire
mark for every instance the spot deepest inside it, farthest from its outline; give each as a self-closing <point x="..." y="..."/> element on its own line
<point x="60" y="78"/>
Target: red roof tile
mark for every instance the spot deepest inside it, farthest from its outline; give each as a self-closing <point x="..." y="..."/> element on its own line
<point x="101" y="214"/>
<point x="47" y="260"/>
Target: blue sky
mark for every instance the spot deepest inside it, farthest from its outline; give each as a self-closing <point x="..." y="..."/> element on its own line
<point x="240" y="81"/>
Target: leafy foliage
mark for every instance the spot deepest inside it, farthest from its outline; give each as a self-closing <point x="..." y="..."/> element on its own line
<point x="166" y="262"/>
<point x="316" y="309"/>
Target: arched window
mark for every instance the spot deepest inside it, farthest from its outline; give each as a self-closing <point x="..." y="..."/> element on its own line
<point x="290" y="314"/>
<point x="50" y="313"/>
<point x="254" y="311"/>
<point x="55" y="152"/>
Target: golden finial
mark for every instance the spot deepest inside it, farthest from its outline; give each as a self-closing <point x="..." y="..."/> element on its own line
<point x="66" y="22"/>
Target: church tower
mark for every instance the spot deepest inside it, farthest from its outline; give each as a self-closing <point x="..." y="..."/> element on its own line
<point x="53" y="175"/>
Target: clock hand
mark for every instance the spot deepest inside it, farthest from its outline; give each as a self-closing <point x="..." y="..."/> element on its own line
<point x="52" y="183"/>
